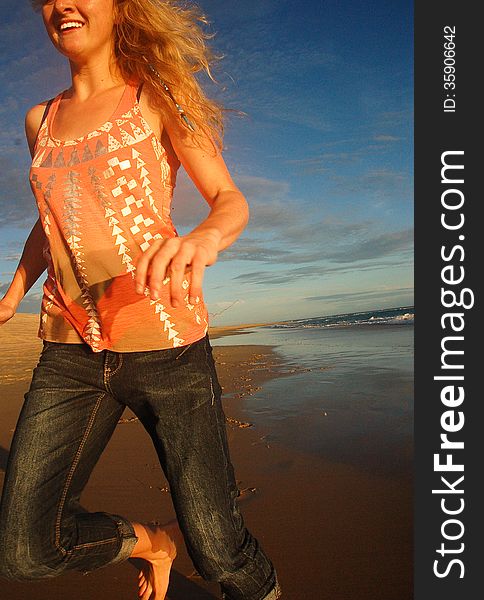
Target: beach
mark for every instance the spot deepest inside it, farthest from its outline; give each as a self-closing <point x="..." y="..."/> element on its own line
<point x="320" y="426"/>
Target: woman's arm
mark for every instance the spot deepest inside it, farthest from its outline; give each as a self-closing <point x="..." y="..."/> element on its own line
<point x="31" y="266"/>
<point x="227" y="219"/>
<point x="32" y="263"/>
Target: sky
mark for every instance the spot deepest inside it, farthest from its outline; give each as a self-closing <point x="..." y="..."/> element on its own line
<point x="323" y="154"/>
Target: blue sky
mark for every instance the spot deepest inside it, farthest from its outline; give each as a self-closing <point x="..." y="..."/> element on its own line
<point x="324" y="154"/>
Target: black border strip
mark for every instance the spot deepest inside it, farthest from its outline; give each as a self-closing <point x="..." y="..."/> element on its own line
<point x="448" y="126"/>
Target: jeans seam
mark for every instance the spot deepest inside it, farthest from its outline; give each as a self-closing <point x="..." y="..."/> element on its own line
<point x="210" y="363"/>
<point x="111" y="373"/>
<point x="108" y="372"/>
<point x="93" y="544"/>
<point x="209" y="369"/>
<point x="106" y="376"/>
<point x="211" y="390"/>
<point x="75" y="462"/>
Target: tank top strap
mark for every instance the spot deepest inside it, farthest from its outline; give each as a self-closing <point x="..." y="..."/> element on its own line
<point x="128" y="100"/>
<point x="43" y="129"/>
<point x="123" y="110"/>
<point x="138" y="91"/>
<point x="46" y="112"/>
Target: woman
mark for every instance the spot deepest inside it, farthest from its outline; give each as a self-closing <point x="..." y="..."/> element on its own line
<point x="123" y="320"/>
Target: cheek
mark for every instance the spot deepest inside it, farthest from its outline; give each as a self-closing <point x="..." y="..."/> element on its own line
<point x="49" y="27"/>
<point x="46" y="14"/>
<point x="106" y="26"/>
<point x="98" y="6"/>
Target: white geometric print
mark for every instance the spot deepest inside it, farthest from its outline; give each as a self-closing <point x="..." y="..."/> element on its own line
<point x="113" y="144"/>
<point x="145" y="181"/>
<point x="116" y="181"/>
<point x="129" y="201"/>
<point x="168" y="326"/>
<point x="157" y="147"/>
<point x="47" y="197"/>
<point x="72" y="233"/>
<point x="122" y="181"/>
<point x="38" y="158"/>
<point x="148" y="236"/>
<point x="113" y="222"/>
<point x="137" y="221"/>
<point x="49" y="298"/>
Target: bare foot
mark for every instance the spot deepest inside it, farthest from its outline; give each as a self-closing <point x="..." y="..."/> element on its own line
<point x="154" y="579"/>
<point x="157" y="548"/>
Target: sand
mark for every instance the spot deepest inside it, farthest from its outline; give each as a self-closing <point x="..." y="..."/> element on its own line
<point x="333" y="530"/>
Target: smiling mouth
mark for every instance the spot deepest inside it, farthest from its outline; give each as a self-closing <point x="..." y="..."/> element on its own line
<point x="70" y="25"/>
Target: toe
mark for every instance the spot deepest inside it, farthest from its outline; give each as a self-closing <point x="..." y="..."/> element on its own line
<point x="147" y="593"/>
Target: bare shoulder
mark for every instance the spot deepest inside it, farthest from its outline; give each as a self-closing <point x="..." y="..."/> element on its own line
<point x="33" y="119"/>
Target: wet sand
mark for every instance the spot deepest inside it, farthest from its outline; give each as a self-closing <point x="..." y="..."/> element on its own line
<point x="334" y="530"/>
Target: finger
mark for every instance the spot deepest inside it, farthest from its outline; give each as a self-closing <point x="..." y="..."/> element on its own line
<point x="198" y="272"/>
<point x="178" y="268"/>
<point x="158" y="274"/>
<point x="158" y="267"/>
<point x="142" y="265"/>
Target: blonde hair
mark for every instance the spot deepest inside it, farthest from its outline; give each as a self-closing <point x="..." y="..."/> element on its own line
<point x="163" y="43"/>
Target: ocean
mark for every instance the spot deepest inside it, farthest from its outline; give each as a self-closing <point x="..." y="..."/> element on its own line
<point x="347" y="388"/>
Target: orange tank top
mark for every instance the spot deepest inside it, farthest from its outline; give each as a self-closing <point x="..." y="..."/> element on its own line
<point x="102" y="199"/>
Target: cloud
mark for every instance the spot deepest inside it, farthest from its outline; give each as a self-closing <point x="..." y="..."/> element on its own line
<point x="328" y="158"/>
<point x="386" y="138"/>
<point x="326" y="161"/>
<point x="260" y="58"/>
<point x="376" y="247"/>
<point x="188" y="206"/>
<point x="9" y="256"/>
<point x="394" y="118"/>
<point x="314" y="272"/>
<point x="380" y="293"/>
<point x="10" y="247"/>
<point x="381" y="186"/>
<point x="19" y="22"/>
<point x="31" y="303"/>
<point x="28" y="56"/>
<point x="346" y="152"/>
<point x="279" y="232"/>
<point x="253" y="250"/>
<point x="29" y="70"/>
<point x="297" y="241"/>
<point x="17" y="204"/>
<point x="265" y="197"/>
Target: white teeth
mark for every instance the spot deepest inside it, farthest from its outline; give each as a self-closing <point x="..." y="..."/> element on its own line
<point x="70" y="24"/>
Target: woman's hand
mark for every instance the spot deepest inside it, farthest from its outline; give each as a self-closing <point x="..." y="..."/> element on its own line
<point x="173" y="258"/>
<point x="6" y="312"/>
<point x="228" y="216"/>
